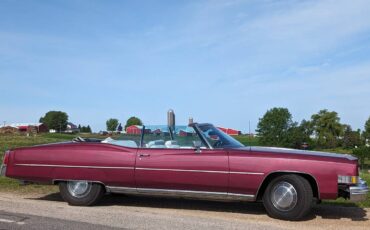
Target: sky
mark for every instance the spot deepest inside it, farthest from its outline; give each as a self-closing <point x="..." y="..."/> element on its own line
<point x="223" y="61"/>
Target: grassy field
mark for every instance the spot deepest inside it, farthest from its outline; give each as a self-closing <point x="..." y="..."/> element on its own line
<point x="247" y="140"/>
<point x="13" y="141"/>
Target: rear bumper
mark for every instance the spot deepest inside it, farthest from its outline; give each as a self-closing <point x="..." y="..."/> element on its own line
<point x="359" y="191"/>
<point x="2" y="170"/>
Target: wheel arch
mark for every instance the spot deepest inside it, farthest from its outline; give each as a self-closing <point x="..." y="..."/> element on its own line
<point x="268" y="178"/>
<point x="57" y="181"/>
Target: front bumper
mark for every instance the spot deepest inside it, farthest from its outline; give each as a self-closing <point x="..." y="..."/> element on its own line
<point x="359" y="191"/>
<point x="2" y="170"/>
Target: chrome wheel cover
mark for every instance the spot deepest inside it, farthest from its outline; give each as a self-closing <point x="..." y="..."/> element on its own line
<point x="79" y="189"/>
<point x="284" y="196"/>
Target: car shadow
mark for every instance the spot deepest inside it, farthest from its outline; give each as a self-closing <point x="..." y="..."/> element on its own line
<point x="325" y="211"/>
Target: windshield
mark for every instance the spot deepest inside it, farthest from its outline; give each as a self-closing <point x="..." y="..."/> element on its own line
<point x="217" y="138"/>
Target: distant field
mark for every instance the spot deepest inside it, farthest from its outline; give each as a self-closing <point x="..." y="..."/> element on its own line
<point x="247" y="140"/>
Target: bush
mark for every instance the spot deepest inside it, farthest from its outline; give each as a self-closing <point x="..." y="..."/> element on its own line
<point x="362" y="153"/>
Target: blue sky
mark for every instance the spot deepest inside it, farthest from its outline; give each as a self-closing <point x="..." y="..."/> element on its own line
<point x="225" y="62"/>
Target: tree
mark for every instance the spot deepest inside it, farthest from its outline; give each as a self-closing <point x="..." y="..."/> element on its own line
<point x="366" y="133"/>
<point x="56" y="120"/>
<point x="119" y="129"/>
<point x="112" y="124"/>
<point x="351" y="139"/>
<point x="327" y="128"/>
<point x="133" y="121"/>
<point x="273" y="128"/>
<point x="80" y="128"/>
<point x="88" y="129"/>
<point x="361" y="153"/>
<point x="300" y="134"/>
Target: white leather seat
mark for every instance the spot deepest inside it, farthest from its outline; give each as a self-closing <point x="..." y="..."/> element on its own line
<point x="171" y="144"/>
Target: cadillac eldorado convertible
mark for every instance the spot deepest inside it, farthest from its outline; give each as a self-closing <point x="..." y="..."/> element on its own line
<point x="198" y="161"/>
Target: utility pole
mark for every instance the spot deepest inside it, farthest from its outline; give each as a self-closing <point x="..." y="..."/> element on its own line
<point x="4" y="123"/>
<point x="249" y="132"/>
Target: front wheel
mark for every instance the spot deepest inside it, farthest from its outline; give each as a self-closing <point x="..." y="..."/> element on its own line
<point x="288" y="197"/>
<point x="81" y="193"/>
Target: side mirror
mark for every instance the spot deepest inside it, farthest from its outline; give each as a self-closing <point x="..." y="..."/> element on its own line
<point x="197" y="145"/>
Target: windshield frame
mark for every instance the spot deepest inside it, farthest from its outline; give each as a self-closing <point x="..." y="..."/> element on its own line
<point x="233" y="142"/>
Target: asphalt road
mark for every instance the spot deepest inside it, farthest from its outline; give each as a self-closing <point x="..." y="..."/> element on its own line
<point x="129" y="212"/>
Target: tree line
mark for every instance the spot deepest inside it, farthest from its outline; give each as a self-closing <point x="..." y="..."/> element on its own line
<point x="58" y="120"/>
<point x="322" y="131"/>
<point x="114" y="125"/>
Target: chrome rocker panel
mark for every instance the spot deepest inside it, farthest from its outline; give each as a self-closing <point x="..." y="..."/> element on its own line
<point x="204" y="195"/>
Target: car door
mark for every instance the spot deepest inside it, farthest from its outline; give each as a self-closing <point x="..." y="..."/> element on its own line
<point x="182" y="169"/>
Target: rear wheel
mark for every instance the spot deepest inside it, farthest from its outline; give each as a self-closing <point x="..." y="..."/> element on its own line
<point x="288" y="197"/>
<point x="81" y="193"/>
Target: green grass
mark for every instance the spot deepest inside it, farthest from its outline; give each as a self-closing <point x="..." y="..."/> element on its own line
<point x="247" y="140"/>
<point x="11" y="185"/>
<point x="336" y="150"/>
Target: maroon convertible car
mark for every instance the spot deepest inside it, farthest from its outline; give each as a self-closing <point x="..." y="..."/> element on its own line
<point x="195" y="161"/>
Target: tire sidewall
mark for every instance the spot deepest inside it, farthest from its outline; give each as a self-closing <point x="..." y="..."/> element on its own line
<point x="96" y="192"/>
<point x="304" y="198"/>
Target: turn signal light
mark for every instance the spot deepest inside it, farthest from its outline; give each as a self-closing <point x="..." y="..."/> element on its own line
<point x="348" y="179"/>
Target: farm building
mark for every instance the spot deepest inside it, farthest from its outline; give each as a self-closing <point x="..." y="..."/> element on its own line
<point x="187" y="132"/>
<point x="232" y="132"/>
<point x="8" y="130"/>
<point x="136" y="130"/>
<point x="72" y="128"/>
<point x="183" y="133"/>
<point x="28" y="127"/>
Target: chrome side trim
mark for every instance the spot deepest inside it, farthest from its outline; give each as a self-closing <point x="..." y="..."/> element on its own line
<point x="74" y="166"/>
<point x="247" y="173"/>
<point x="123" y="190"/>
<point x="181" y="193"/>
<point x="54" y="181"/>
<point x="131" y="168"/>
<point x="201" y="171"/>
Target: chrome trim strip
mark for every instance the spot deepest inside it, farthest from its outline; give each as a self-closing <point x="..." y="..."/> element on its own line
<point x="73" y="166"/>
<point x="147" y="169"/>
<point x="182" y="193"/>
<point x="179" y="170"/>
<point x="201" y="171"/>
<point x="61" y="180"/>
<point x="247" y="173"/>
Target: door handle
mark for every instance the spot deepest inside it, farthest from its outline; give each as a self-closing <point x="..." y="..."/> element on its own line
<point x="144" y="155"/>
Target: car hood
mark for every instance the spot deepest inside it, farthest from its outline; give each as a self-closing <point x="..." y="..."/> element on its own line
<point x="302" y="152"/>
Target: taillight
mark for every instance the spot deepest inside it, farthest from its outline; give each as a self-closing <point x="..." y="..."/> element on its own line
<point x="6" y="158"/>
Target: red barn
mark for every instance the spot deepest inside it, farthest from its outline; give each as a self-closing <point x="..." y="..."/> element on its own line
<point x="136" y="130"/>
<point x="232" y="132"/>
<point x="27" y="127"/>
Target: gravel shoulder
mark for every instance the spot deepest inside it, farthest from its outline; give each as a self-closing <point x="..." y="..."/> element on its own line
<point x="130" y="212"/>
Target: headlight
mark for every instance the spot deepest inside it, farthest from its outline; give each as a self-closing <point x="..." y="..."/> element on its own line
<point x="348" y="179"/>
